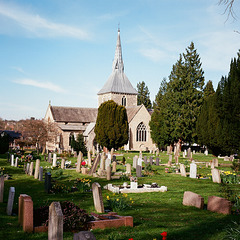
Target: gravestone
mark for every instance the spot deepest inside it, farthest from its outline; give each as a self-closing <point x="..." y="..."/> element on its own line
<point x="114" y="158"/>
<point x="48" y="184"/>
<point x="157" y="161"/>
<point x="206" y="152"/>
<point x="31" y="169"/>
<point x="168" y="149"/>
<point x="135" y="159"/>
<point x="183" y="170"/>
<point x="27" y="215"/>
<point x="79" y="162"/>
<point x="95" y="164"/>
<point x="151" y="160"/>
<point x="16" y="162"/>
<point x="63" y="163"/>
<point x="114" y="166"/>
<point x="109" y="172"/>
<point x="102" y="162"/>
<point x="55" y="222"/>
<point x="184" y="155"/>
<point x="84" y="235"/>
<point x="189" y="153"/>
<point x="176" y="159"/>
<point x="128" y="169"/>
<point x="170" y="158"/>
<point x="139" y="162"/>
<point x="93" y="151"/>
<point x="40" y="174"/>
<point x="10" y="200"/>
<point x="28" y="168"/>
<point x="20" y="207"/>
<point x="97" y="197"/>
<point x="49" y="157"/>
<point x="185" y="152"/>
<point x="194" y="152"/>
<point x="12" y="160"/>
<point x="36" y="173"/>
<point x="215" y="162"/>
<point x="107" y="163"/>
<point x="1" y="188"/>
<point x="133" y="185"/>
<point x="112" y="150"/>
<point x="193" y="199"/>
<point x="193" y="170"/>
<point x="139" y="171"/>
<point x="219" y="205"/>
<point x="89" y="159"/>
<point x="216" y="178"/>
<point x="226" y="158"/>
<point x="231" y="158"/>
<point x="145" y="160"/>
<point x="54" y="160"/>
<point x="75" y="154"/>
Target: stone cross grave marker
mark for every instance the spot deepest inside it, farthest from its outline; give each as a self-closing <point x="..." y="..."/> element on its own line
<point x="84" y="235"/>
<point x="48" y="184"/>
<point x="36" y="173"/>
<point x="1" y="188"/>
<point x="193" y="170"/>
<point x="183" y="170"/>
<point x="55" y="224"/>
<point x="40" y="178"/>
<point x="216" y="178"/>
<point x="10" y="200"/>
<point x="16" y="162"/>
<point x="54" y="160"/>
<point x="31" y="169"/>
<point x="97" y="197"/>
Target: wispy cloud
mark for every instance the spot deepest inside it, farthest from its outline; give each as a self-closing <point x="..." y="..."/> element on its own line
<point x="46" y="85"/>
<point x="39" y="26"/>
<point x="19" y="69"/>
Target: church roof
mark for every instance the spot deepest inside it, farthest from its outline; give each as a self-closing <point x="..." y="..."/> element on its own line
<point x="118" y="81"/>
<point x="74" y="114"/>
<point x="132" y="111"/>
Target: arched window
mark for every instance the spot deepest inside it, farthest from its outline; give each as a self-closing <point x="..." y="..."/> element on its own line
<point x="141" y="133"/>
<point x="124" y="101"/>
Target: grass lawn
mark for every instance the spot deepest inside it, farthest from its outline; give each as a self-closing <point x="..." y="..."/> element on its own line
<point x="152" y="213"/>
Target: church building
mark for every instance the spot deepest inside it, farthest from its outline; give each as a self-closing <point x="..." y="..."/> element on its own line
<point x="72" y="120"/>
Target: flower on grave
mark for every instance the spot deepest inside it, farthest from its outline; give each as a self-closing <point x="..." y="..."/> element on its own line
<point x="130" y="239"/>
<point x="83" y="163"/>
<point x="117" y="199"/>
<point x="108" y="197"/>
<point x="164" y="235"/>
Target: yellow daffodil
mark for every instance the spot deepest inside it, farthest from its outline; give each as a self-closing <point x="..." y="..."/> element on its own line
<point x="108" y="197"/>
<point x="117" y="199"/>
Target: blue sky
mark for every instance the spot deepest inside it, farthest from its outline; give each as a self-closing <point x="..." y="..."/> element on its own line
<point x="62" y="50"/>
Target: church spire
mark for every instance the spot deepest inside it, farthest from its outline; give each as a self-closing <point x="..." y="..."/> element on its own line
<point x="118" y="61"/>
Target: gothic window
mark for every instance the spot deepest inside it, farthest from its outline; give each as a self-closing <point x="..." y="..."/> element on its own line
<point x="141" y="133"/>
<point x="124" y="101"/>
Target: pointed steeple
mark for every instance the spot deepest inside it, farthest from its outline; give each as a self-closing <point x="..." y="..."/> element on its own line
<point x="118" y="61"/>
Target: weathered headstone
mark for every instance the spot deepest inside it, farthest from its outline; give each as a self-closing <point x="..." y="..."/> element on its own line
<point x="183" y="170"/>
<point x="89" y="159"/>
<point x="133" y="185"/>
<point x="206" y="152"/>
<point x="102" y="162"/>
<point x="218" y="204"/>
<point x="157" y="161"/>
<point x="1" y="188"/>
<point x="49" y="157"/>
<point x="139" y="171"/>
<point x="48" y="184"/>
<point x="184" y="155"/>
<point x="55" y="223"/>
<point x="139" y="162"/>
<point x="170" y="158"/>
<point x="36" y="173"/>
<point x="27" y="215"/>
<point x="16" y="162"/>
<point x="12" y="160"/>
<point x="21" y="207"/>
<point x="54" y="160"/>
<point x="215" y="162"/>
<point x="176" y="159"/>
<point x="193" y="199"/>
<point x="31" y="169"/>
<point x="63" y="163"/>
<point x="193" y="170"/>
<point x="40" y="178"/>
<point x="114" y="166"/>
<point x="10" y="200"/>
<point x="107" y="162"/>
<point x="28" y="168"/>
<point x="216" y="175"/>
<point x="95" y="164"/>
<point x="145" y="160"/>
<point x="97" y="197"/>
<point x="93" y="151"/>
<point x="128" y="169"/>
<point x="75" y="154"/>
<point x="135" y="158"/>
<point x="109" y="172"/>
<point x="168" y="149"/>
<point x="189" y="153"/>
<point x="79" y="162"/>
<point x="84" y="235"/>
<point x="151" y="160"/>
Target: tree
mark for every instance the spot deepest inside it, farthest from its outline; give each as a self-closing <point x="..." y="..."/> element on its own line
<point x="178" y="102"/>
<point x="4" y="143"/>
<point x="78" y="145"/>
<point x="229" y="7"/>
<point x="143" y="95"/>
<point x="208" y="90"/>
<point x="111" y="127"/>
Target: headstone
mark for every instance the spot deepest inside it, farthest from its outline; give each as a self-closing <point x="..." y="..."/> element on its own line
<point x="109" y="172"/>
<point x="63" y="163"/>
<point x="75" y="154"/>
<point x="215" y="162"/>
<point x="89" y="159"/>
<point x="139" y="162"/>
<point x="97" y="197"/>
<point x="169" y="163"/>
<point x="27" y="215"/>
<point x="102" y="162"/>
<point x="10" y="200"/>
<point x="157" y="161"/>
<point x="84" y="235"/>
<point x="36" y="173"/>
<point x="216" y="175"/>
<point x="49" y="157"/>
<point x="40" y="178"/>
<point x="1" y="188"/>
<point x="168" y="149"/>
<point x="193" y="199"/>
<point x="145" y="160"/>
<point x="95" y="164"/>
<point x="135" y="158"/>
<point x="31" y="169"/>
<point x="107" y="163"/>
<point x="54" y="160"/>
<point x="170" y="158"/>
<point x="189" y="153"/>
<point x="16" y="162"/>
<point x="21" y="207"/>
<point x="184" y="155"/>
<point x="79" y="162"/>
<point x="185" y="152"/>
<point x="226" y="158"/>
<point x="231" y="158"/>
<point x="48" y="184"/>
<point x="128" y="169"/>
<point x="193" y="170"/>
<point x="55" y="222"/>
<point x="112" y="150"/>
<point x="151" y="160"/>
<point x="114" y="166"/>
<point x="219" y="205"/>
<point x="183" y="170"/>
<point x="194" y="152"/>
<point x="114" y="158"/>
<point x="93" y="151"/>
<point x="139" y="171"/>
<point x="12" y="160"/>
<point x="176" y="159"/>
<point x="206" y="152"/>
<point x="28" y="168"/>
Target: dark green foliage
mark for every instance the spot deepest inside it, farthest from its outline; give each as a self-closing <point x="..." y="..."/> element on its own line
<point x="178" y="101"/>
<point x="4" y="143"/>
<point x="208" y="90"/>
<point x="112" y="125"/>
<point x="78" y="145"/>
<point x="143" y="95"/>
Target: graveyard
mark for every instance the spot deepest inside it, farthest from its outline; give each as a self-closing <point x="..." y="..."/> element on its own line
<point x="129" y="195"/>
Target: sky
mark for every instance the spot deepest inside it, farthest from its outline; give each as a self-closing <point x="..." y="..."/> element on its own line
<point x="62" y="50"/>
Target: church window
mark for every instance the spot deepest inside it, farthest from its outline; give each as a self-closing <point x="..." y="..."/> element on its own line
<point x="124" y="100"/>
<point x="141" y="133"/>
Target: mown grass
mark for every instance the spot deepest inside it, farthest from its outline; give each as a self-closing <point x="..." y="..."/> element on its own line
<point x="153" y="213"/>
